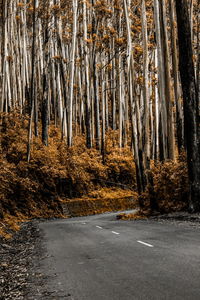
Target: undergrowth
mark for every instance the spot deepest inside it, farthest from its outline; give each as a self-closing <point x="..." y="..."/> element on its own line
<point x="169" y="188"/>
<point x="56" y="172"/>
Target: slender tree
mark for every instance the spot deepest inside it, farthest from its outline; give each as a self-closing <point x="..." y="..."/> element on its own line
<point x="32" y="101"/>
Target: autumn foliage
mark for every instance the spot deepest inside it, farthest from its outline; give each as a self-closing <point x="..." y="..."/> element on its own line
<point x="168" y="190"/>
<point x="54" y="172"/>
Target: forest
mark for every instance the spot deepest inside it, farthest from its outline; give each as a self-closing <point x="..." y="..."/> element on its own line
<point x="99" y="99"/>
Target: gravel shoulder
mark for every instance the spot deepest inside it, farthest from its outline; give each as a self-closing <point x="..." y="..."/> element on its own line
<point x="179" y="218"/>
<point x="19" y="265"/>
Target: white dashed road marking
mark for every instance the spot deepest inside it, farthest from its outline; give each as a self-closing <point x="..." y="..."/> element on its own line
<point x="115" y="232"/>
<point x="146" y="244"/>
<point x="99" y="227"/>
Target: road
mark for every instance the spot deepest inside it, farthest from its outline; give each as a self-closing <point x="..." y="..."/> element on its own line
<point x="101" y="258"/>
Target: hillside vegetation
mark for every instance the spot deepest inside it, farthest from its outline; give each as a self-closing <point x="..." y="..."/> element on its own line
<point x="57" y="173"/>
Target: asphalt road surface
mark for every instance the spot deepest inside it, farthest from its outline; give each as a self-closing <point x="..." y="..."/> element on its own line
<point x="101" y="258"/>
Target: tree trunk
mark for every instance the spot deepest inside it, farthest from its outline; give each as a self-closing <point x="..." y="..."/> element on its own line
<point x="87" y="83"/>
<point x="32" y="102"/>
<point x="168" y="93"/>
<point x="175" y="74"/>
<point x="45" y="106"/>
<point x="190" y="101"/>
<point x="71" y="90"/>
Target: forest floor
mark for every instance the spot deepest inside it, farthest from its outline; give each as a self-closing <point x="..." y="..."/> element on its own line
<point x="20" y="275"/>
<point x="179" y="217"/>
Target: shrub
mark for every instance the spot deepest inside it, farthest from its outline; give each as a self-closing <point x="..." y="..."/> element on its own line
<point x="170" y="186"/>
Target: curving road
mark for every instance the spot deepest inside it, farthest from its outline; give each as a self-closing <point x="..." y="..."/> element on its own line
<point x="100" y="258"/>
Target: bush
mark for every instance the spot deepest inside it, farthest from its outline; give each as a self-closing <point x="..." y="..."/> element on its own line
<point x="170" y="186"/>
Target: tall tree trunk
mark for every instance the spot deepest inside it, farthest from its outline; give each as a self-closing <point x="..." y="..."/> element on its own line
<point x="45" y="77"/>
<point x="175" y="74"/>
<point x="145" y="134"/>
<point x="87" y="82"/>
<point x="161" y="83"/>
<point x="32" y="102"/>
<point x="168" y="92"/>
<point x="97" y="134"/>
<point x="71" y="90"/>
<point x="2" y="79"/>
<point x="96" y="104"/>
<point x="190" y="100"/>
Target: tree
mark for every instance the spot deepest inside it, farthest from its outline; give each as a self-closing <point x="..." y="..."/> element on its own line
<point x="71" y="89"/>
<point x="31" y="99"/>
<point x="190" y="98"/>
